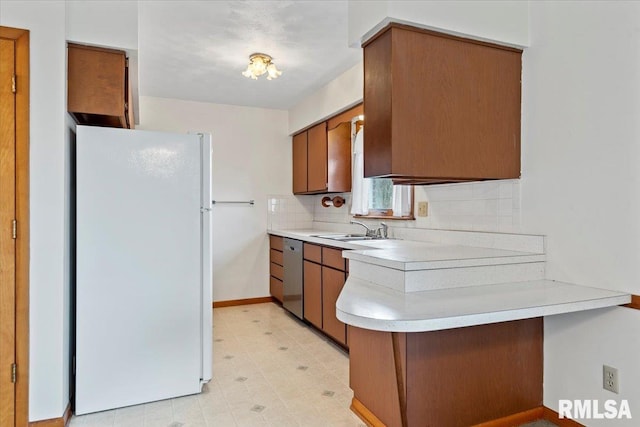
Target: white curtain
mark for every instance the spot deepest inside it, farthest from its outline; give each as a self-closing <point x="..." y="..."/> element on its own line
<point x="401" y="200"/>
<point x="359" y="184"/>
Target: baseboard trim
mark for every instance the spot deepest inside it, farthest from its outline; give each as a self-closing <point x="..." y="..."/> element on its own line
<point x="63" y="421"/>
<point x="539" y="413"/>
<point x="246" y="301"/>
<point x="364" y="414"/>
<point x="515" y="419"/>
<point x="554" y="417"/>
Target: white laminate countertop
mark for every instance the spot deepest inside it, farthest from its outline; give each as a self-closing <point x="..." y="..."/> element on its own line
<point x="309" y="236"/>
<point x="408" y="255"/>
<point x="370" y="306"/>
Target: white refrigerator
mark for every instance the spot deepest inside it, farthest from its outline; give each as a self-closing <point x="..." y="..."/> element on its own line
<point x="143" y="266"/>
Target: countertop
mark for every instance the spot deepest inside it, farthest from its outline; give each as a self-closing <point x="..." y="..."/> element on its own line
<point x="370" y="306"/>
<point x="309" y="236"/>
<point x="409" y="255"/>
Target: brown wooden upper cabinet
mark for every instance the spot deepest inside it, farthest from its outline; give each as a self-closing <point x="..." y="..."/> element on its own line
<point x="322" y="156"/>
<point x="98" y="89"/>
<point x="310" y="156"/>
<point x="440" y="108"/>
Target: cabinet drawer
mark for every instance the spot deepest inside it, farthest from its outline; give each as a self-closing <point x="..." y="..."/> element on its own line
<point x="313" y="252"/>
<point x="275" y="242"/>
<point x="276" y="288"/>
<point x="276" y="257"/>
<point x="333" y="258"/>
<point x="277" y="271"/>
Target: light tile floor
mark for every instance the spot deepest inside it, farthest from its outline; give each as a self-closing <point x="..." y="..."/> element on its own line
<point x="268" y="370"/>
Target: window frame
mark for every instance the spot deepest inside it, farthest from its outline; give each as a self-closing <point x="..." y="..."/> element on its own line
<point x="388" y="213"/>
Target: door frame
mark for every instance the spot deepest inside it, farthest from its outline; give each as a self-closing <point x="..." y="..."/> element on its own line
<point x="21" y="38"/>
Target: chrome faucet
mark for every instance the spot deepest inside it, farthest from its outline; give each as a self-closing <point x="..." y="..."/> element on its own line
<point x="369" y="232"/>
<point x="380" y="232"/>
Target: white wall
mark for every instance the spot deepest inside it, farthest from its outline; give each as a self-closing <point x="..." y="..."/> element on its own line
<point x="581" y="185"/>
<point x="251" y="160"/>
<point x="49" y="291"/>
<point x="505" y="22"/>
<point x="342" y="92"/>
<point x="110" y="23"/>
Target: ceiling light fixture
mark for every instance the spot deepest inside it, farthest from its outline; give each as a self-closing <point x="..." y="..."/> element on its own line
<point x="259" y="64"/>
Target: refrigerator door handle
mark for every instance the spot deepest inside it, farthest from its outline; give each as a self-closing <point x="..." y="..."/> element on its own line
<point x="206" y="253"/>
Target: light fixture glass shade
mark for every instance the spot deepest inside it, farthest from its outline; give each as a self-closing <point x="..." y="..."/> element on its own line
<point x="273" y="72"/>
<point x="259" y="64"/>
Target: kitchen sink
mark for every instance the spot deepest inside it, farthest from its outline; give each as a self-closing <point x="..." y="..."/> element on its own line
<point x="346" y="237"/>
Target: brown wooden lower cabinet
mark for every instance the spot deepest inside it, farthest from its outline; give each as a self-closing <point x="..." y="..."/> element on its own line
<point x="313" y="293"/>
<point x="332" y="283"/>
<point x="275" y="288"/>
<point x="451" y="378"/>
<point x="276" y="269"/>
<point x="324" y="276"/>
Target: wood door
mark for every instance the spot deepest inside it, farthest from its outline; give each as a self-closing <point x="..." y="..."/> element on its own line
<point x="332" y="283"/>
<point x="299" y="149"/>
<point x="14" y="205"/>
<point x="317" y="158"/>
<point x="313" y="293"/>
<point x="7" y="240"/>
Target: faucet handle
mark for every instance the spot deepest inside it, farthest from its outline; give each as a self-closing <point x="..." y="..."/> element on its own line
<point x="383" y="230"/>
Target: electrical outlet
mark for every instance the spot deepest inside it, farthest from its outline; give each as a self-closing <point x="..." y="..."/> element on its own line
<point x="610" y="379"/>
<point x="422" y="208"/>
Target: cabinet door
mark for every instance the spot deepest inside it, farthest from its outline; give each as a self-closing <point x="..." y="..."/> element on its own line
<point x="96" y="86"/>
<point x="332" y="283"/>
<point x="276" y="288"/>
<point x="472" y="92"/>
<point x="339" y="158"/>
<point x="377" y="107"/>
<point x="440" y="108"/>
<point x="300" y="163"/>
<point x="317" y="158"/>
<point x="313" y="293"/>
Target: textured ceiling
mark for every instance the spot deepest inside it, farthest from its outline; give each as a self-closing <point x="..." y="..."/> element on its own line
<point x="196" y="50"/>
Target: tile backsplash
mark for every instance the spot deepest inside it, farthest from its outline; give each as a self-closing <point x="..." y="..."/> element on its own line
<point x="476" y="206"/>
<point x="290" y="212"/>
<point x="331" y="213"/>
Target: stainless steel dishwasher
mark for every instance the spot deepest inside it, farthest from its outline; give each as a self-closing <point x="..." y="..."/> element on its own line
<point x="292" y="260"/>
